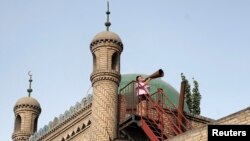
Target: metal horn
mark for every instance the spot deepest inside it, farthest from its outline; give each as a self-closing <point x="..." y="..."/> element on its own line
<point x="158" y="73"/>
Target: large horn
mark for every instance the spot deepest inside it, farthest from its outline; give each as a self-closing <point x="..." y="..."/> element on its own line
<point x="158" y="73"/>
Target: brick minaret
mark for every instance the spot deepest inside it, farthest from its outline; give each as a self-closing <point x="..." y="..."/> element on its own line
<point x="27" y="111"/>
<point x="106" y="49"/>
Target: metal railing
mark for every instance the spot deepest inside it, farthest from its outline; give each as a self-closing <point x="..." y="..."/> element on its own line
<point x="159" y="109"/>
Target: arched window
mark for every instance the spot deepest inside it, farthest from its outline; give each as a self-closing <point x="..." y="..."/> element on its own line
<point x="68" y="136"/>
<point x="89" y="122"/>
<point x="94" y="61"/>
<point x="115" y="60"/>
<point x="35" y="124"/>
<point x="78" y="129"/>
<point x="18" y="123"/>
<point x="83" y="126"/>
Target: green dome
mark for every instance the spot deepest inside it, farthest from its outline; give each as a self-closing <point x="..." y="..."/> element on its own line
<point x="172" y="94"/>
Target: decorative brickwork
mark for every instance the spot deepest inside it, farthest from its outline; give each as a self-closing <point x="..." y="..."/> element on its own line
<point x="106" y="48"/>
<point x="104" y="111"/>
<point x="74" y="123"/>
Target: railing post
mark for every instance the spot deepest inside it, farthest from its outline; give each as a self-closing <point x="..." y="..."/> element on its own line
<point x="133" y="99"/>
<point x="160" y="102"/>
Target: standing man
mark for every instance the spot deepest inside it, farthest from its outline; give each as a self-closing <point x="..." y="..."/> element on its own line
<point x="142" y="89"/>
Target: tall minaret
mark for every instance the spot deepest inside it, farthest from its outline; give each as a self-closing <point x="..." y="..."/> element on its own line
<point x="106" y="48"/>
<point x="27" y="111"/>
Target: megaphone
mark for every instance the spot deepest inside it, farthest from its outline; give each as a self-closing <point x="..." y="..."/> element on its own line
<point x="158" y="73"/>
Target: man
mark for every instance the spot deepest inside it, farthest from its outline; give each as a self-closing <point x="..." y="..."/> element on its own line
<point x="142" y="89"/>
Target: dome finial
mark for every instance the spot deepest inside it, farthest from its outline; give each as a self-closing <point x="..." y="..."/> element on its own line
<point x="107" y="23"/>
<point x="30" y="90"/>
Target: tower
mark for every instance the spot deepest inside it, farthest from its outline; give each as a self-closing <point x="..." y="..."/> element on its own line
<point x="27" y="111"/>
<point x="106" y="48"/>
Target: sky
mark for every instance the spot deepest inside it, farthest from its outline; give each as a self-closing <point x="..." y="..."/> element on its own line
<point x="204" y="39"/>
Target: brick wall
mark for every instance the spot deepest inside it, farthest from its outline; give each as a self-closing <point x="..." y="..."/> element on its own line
<point x="241" y="117"/>
<point x="200" y="134"/>
<point x="121" y="108"/>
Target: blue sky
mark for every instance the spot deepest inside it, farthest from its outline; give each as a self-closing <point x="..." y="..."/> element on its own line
<point x="204" y="39"/>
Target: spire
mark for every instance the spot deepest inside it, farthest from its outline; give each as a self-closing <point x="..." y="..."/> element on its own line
<point x="29" y="90"/>
<point x="107" y="23"/>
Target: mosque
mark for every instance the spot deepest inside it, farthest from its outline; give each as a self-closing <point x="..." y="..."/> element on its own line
<point x="112" y="112"/>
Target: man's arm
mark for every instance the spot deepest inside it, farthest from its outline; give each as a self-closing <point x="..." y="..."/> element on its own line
<point x="147" y="81"/>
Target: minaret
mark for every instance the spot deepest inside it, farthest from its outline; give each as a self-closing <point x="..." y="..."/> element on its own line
<point x="106" y="48"/>
<point x="27" y="111"/>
